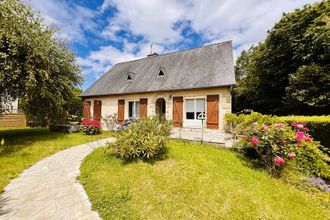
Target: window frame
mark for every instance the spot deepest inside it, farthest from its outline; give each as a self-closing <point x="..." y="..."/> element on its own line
<point x="135" y="109"/>
<point x="195" y="107"/>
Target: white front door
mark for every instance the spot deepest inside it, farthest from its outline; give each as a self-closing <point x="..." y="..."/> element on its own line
<point x="193" y="107"/>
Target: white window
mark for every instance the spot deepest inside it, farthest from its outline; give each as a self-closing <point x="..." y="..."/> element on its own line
<point x="194" y="107"/>
<point x="133" y="109"/>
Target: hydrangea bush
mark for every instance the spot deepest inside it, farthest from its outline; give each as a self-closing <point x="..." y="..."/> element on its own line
<point x="274" y="144"/>
<point x="90" y="126"/>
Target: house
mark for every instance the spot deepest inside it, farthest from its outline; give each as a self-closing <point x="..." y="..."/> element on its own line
<point x="13" y="116"/>
<point x="179" y="86"/>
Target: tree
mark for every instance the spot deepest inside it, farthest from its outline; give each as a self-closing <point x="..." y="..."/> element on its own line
<point x="35" y="65"/>
<point x="289" y="72"/>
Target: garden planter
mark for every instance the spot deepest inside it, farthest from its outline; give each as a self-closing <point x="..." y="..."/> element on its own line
<point x="64" y="128"/>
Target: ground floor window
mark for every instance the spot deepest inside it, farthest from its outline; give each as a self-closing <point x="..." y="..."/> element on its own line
<point x="194" y="107"/>
<point x="133" y="109"/>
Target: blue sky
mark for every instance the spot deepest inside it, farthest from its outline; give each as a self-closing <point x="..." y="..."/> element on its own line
<point x="105" y="32"/>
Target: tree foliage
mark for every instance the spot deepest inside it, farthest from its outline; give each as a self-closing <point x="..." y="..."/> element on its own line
<point x="35" y="65"/>
<point x="289" y="71"/>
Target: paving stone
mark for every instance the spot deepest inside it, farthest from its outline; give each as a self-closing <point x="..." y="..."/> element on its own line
<point x="49" y="190"/>
<point x="209" y="135"/>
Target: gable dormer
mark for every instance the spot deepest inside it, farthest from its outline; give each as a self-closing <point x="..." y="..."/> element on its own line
<point x="161" y="72"/>
<point x="129" y="76"/>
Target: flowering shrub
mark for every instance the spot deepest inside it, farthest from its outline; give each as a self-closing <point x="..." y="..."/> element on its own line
<point x="145" y="139"/>
<point x="90" y="126"/>
<point x="274" y="144"/>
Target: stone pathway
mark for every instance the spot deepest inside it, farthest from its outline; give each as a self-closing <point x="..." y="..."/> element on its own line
<point x="49" y="189"/>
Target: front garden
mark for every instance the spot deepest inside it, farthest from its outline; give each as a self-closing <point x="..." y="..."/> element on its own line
<point x="195" y="182"/>
<point x="23" y="147"/>
<point x="276" y="171"/>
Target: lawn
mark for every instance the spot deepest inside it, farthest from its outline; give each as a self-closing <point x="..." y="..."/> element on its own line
<point x="195" y="182"/>
<point x="24" y="147"/>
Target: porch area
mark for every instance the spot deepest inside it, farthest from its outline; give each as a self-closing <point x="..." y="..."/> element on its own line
<point x="209" y="135"/>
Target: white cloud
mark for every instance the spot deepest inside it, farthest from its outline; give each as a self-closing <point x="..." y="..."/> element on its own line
<point x="245" y="22"/>
<point x="72" y="19"/>
<point x="154" y="20"/>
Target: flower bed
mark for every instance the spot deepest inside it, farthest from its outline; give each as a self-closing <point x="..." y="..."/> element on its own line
<point x="90" y="127"/>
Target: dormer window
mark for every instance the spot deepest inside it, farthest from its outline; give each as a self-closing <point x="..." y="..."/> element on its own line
<point x="129" y="77"/>
<point x="161" y="72"/>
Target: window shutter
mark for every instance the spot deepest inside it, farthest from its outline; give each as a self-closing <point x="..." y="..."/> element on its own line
<point x="87" y="109"/>
<point x="121" y="110"/>
<point x="212" y="118"/>
<point x="97" y="109"/>
<point x="143" y="108"/>
<point x="177" y="111"/>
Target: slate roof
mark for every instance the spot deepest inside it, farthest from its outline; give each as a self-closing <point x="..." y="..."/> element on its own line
<point x="204" y="67"/>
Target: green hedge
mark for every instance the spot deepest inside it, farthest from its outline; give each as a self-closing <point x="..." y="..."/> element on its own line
<point x="319" y="126"/>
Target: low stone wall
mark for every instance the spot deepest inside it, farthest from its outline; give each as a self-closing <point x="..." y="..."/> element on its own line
<point x="65" y="128"/>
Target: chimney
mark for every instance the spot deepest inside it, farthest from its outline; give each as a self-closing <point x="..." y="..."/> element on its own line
<point x="152" y="55"/>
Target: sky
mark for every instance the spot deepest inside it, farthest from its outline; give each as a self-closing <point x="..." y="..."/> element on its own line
<point x="105" y="32"/>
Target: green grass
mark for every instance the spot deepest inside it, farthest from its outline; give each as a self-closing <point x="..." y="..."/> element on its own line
<point x="24" y="147"/>
<point x="195" y="182"/>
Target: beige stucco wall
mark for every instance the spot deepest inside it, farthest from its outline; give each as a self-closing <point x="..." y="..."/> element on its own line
<point x="110" y="103"/>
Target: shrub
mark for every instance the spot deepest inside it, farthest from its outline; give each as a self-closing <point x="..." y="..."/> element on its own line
<point x="90" y="127"/>
<point x="309" y="157"/>
<point x="273" y="144"/>
<point x="145" y="139"/>
<point x="319" y="127"/>
<point x="248" y="119"/>
<point x="111" y="121"/>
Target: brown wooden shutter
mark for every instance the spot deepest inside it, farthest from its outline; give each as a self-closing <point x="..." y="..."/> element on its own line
<point x="121" y="111"/>
<point x="87" y="109"/>
<point x="177" y="111"/>
<point x="212" y="115"/>
<point x="143" y="108"/>
<point x="97" y="110"/>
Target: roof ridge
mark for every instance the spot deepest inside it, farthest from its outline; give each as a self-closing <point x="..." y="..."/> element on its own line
<point x="179" y="51"/>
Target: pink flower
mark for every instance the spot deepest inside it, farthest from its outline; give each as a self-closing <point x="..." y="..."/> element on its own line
<point x="291" y="155"/>
<point x="254" y="140"/>
<point x="300" y="126"/>
<point x="305" y="129"/>
<point x="279" y="161"/>
<point x="300" y="135"/>
<point x="91" y="123"/>
<point x="293" y="124"/>
<point x="308" y="139"/>
<point x="281" y="125"/>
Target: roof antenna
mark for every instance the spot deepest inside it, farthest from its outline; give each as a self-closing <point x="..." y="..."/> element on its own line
<point x="151" y="45"/>
<point x="151" y="53"/>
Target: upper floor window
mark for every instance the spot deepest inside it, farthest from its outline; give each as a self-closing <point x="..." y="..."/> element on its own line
<point x="129" y="77"/>
<point x="161" y="72"/>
